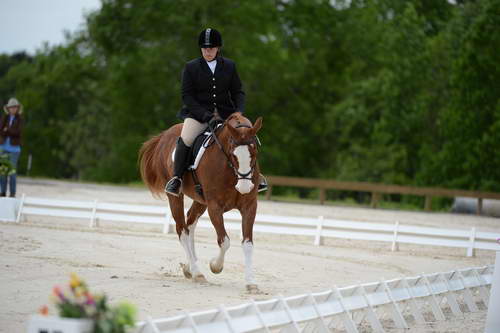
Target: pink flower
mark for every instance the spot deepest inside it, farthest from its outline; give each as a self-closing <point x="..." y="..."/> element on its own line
<point x="90" y="299"/>
<point x="59" y="293"/>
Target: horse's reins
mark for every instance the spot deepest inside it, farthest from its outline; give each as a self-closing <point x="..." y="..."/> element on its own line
<point x="239" y="175"/>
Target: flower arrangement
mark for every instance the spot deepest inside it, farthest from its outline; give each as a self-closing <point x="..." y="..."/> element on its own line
<point x="6" y="166"/>
<point x="78" y="302"/>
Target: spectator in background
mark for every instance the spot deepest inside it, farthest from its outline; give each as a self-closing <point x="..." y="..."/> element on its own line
<point x="11" y="126"/>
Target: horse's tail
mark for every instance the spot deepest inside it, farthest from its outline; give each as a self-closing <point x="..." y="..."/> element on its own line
<point x="153" y="168"/>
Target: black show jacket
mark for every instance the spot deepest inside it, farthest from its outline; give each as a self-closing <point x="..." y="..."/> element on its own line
<point x="203" y="91"/>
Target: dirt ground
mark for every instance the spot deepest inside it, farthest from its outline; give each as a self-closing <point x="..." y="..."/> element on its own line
<point x="141" y="264"/>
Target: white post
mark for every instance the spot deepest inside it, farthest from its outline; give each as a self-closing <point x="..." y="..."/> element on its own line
<point x="318" y="240"/>
<point x="94" y="211"/>
<point x="395" y="245"/>
<point x="493" y="319"/>
<point x="472" y="239"/>
<point x="20" y="211"/>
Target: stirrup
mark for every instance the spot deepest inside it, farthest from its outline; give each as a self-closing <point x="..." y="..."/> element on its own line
<point x="173" y="186"/>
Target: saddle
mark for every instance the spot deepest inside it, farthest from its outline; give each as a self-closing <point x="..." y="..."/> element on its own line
<point x="200" y="144"/>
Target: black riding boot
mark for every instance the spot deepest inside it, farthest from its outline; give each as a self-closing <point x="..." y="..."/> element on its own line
<point x="262" y="183"/>
<point x="181" y="161"/>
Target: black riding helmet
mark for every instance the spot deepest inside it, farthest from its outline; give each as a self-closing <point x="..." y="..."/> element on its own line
<point x="210" y="38"/>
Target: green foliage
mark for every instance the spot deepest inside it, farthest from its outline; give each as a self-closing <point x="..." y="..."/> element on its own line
<point x="389" y="91"/>
<point x="115" y="319"/>
<point x="473" y="114"/>
<point x="6" y="166"/>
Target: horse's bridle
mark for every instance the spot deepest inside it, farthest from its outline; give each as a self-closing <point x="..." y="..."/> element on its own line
<point x="254" y="140"/>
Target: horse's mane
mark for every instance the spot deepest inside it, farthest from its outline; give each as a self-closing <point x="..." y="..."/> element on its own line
<point x="238" y="118"/>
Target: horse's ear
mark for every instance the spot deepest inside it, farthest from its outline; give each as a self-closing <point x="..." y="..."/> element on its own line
<point x="234" y="133"/>
<point x="257" y="125"/>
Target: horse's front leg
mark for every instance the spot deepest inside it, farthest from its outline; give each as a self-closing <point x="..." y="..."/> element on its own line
<point x="248" y="218"/>
<point x="215" y="212"/>
<point x="193" y="215"/>
<point x="190" y="269"/>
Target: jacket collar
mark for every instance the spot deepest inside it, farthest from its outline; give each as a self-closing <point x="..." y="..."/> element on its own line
<point x="218" y="68"/>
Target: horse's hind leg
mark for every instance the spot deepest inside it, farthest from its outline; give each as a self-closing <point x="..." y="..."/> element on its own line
<point x="215" y="212"/>
<point x="191" y="268"/>
<point x="194" y="213"/>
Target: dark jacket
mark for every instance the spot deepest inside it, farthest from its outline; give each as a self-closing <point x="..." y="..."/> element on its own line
<point x="203" y="91"/>
<point x="13" y="131"/>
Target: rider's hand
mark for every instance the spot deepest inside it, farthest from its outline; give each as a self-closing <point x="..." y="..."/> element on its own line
<point x="214" y="120"/>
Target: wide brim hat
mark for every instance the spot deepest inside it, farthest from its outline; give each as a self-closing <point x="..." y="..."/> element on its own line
<point x="13" y="102"/>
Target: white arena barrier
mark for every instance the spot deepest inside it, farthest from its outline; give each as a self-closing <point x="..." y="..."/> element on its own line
<point x="393" y="301"/>
<point x="493" y="320"/>
<point x="319" y="228"/>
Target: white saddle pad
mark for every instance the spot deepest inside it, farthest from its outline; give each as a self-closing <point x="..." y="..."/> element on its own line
<point x="199" y="155"/>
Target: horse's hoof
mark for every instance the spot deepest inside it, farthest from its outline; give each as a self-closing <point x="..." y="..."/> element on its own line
<point x="200" y="279"/>
<point x="214" y="268"/>
<point x="253" y="289"/>
<point x="186" y="271"/>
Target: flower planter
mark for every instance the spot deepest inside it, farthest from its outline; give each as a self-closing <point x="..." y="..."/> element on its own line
<point x="48" y="324"/>
<point x="8" y="209"/>
<point x="92" y="311"/>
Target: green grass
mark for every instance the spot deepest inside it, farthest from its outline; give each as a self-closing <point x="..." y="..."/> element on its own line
<point x="136" y="184"/>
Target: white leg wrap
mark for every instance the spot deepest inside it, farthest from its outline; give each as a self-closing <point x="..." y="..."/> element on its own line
<point x="217" y="263"/>
<point x="184" y="239"/>
<point x="248" y="251"/>
<point x="191" y="228"/>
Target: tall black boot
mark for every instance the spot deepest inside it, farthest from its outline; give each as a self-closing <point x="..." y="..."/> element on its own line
<point x="262" y="183"/>
<point x="181" y="161"/>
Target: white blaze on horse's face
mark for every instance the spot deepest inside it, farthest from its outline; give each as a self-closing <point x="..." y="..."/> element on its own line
<point x="244" y="158"/>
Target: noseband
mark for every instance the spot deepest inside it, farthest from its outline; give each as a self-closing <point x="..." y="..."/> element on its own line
<point x="253" y="140"/>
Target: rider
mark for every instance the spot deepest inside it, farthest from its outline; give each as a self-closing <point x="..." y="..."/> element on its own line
<point x="211" y="91"/>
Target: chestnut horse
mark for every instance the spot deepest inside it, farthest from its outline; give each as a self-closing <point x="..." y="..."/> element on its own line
<point x="229" y="176"/>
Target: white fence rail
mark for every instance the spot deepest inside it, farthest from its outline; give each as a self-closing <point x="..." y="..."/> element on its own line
<point x="319" y="228"/>
<point x="493" y="320"/>
<point x="393" y="301"/>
